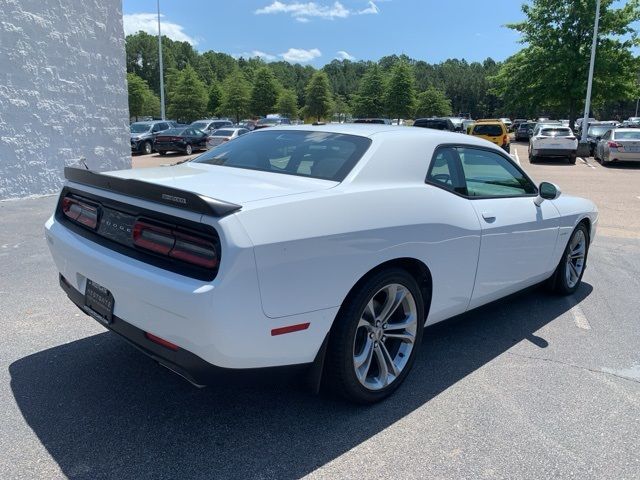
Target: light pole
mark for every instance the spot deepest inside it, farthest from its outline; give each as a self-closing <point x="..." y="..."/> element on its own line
<point x="160" y="64"/>
<point x="587" y="102"/>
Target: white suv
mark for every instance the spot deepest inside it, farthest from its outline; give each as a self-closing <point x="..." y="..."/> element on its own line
<point x="553" y="141"/>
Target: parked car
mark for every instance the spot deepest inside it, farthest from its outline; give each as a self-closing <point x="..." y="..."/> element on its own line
<point x="578" y="124"/>
<point x="493" y="130"/>
<point x="467" y="125"/>
<point x="377" y="121"/>
<point x="211" y="125"/>
<point x="595" y="133"/>
<point x="186" y="140"/>
<point x="436" y="124"/>
<point x="458" y="123"/>
<point x="224" y="135"/>
<point x="516" y="123"/>
<point x="271" y="122"/>
<point x="524" y="131"/>
<point x="143" y="135"/>
<point x="620" y="144"/>
<point x="507" y="122"/>
<point x="248" y="257"/>
<point x="553" y="141"/>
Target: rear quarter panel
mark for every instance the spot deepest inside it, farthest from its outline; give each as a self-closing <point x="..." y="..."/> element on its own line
<point x="311" y="252"/>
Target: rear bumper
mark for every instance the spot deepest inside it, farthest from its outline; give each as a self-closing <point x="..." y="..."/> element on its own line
<point x="624" y="157"/>
<point x="182" y="362"/>
<point x="553" y="152"/>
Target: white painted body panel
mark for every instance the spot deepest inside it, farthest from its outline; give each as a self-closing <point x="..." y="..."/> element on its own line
<point x="298" y="245"/>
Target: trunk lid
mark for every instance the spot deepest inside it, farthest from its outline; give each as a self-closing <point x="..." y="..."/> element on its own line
<point x="235" y="185"/>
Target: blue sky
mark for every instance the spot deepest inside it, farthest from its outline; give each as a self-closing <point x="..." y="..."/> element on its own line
<point x="316" y="32"/>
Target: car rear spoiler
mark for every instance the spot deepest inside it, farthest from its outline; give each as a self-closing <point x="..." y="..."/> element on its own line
<point x="172" y="197"/>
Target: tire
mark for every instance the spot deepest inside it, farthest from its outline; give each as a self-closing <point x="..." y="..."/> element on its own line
<point x="507" y="149"/>
<point x="572" y="159"/>
<point x="533" y="159"/>
<point x="357" y="335"/>
<point x="147" y="148"/>
<point x="162" y="152"/>
<point x="566" y="280"/>
<point x="188" y="149"/>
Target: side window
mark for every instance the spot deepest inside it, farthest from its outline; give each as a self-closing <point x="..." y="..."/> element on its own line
<point x="156" y="128"/>
<point x="444" y="170"/>
<point x="607" y="135"/>
<point x="489" y="174"/>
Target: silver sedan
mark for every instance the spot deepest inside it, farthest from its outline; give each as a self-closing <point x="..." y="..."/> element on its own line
<point x="620" y="144"/>
<point x="222" y="135"/>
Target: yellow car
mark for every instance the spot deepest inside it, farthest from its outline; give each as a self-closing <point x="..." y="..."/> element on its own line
<point x="493" y="130"/>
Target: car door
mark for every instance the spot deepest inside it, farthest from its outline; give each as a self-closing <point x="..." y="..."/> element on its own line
<point x="518" y="237"/>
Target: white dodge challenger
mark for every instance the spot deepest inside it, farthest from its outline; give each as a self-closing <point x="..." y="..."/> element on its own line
<point x="325" y="247"/>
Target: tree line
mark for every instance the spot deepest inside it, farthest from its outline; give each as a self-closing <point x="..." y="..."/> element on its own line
<point x="547" y="77"/>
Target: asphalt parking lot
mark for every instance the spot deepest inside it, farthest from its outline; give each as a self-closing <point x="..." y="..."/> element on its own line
<point x="535" y="386"/>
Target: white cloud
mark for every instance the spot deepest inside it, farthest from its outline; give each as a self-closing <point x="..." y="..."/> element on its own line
<point x="342" y="55"/>
<point x="372" y="9"/>
<point x="300" y="55"/>
<point x="304" y="11"/>
<point x="256" y="53"/>
<point x="148" y="22"/>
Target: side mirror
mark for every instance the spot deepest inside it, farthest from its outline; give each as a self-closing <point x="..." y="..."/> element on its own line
<point x="547" y="191"/>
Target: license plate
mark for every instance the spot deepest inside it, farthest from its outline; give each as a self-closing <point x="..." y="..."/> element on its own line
<point x="99" y="302"/>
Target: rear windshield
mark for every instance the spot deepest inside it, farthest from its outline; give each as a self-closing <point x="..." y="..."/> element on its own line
<point x="599" y="130"/>
<point x="627" y="135"/>
<point x="139" y="127"/>
<point x="492" y="130"/>
<point x="435" y="124"/>
<point x="327" y="156"/>
<point x="200" y="125"/>
<point x="222" y="133"/>
<point x="556" y="132"/>
<point x="525" y="126"/>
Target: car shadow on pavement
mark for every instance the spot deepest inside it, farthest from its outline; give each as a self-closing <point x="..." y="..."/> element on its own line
<point x="102" y="409"/>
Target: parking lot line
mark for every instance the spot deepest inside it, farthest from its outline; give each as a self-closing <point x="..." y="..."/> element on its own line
<point x="515" y="149"/>
<point x="578" y="315"/>
<point x="586" y="163"/>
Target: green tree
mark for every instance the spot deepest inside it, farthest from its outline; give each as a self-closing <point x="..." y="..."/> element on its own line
<point x="340" y="108"/>
<point x="400" y="94"/>
<point x="369" y="101"/>
<point x="236" y="95"/>
<point x="550" y="73"/>
<point x="137" y="88"/>
<point x="187" y="97"/>
<point x="215" y="98"/>
<point x="433" y="103"/>
<point x="287" y="104"/>
<point x="318" y="96"/>
<point x="264" y="93"/>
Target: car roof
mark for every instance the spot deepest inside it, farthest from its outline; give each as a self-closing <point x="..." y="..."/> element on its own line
<point x="625" y="130"/>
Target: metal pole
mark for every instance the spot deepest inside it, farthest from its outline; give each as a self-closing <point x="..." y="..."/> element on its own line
<point x="162" y="115"/>
<point x="587" y="102"/>
<point x="637" y="102"/>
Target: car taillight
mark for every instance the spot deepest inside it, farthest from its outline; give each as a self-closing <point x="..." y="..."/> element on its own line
<point x="174" y="243"/>
<point x="613" y="145"/>
<point x="80" y="212"/>
<point x="505" y="139"/>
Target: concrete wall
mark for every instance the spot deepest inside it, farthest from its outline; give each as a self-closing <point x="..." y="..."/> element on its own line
<point x="63" y="92"/>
